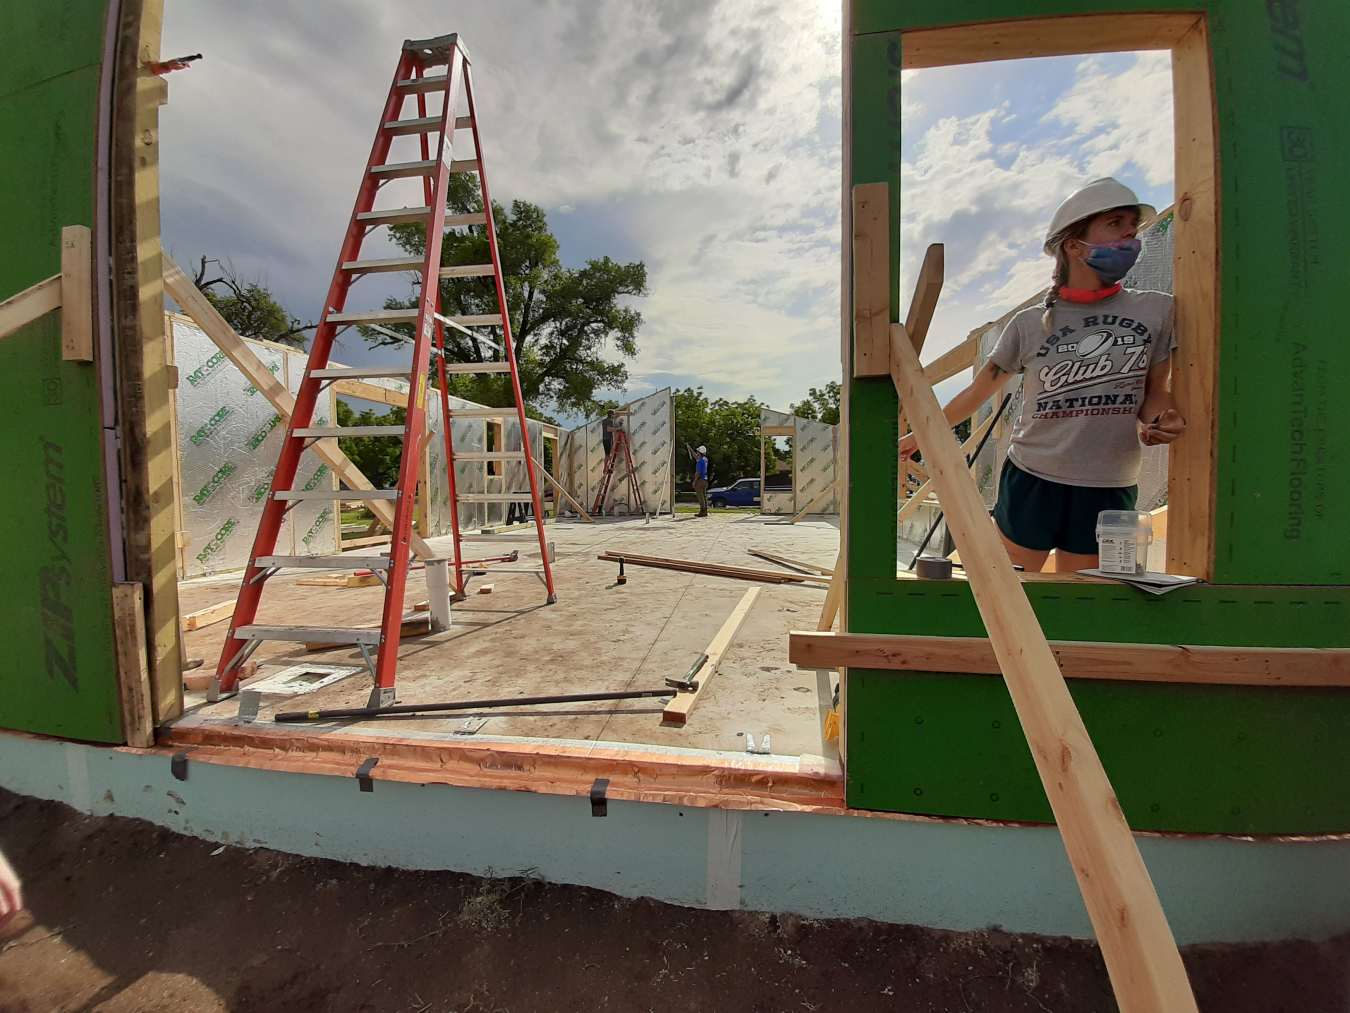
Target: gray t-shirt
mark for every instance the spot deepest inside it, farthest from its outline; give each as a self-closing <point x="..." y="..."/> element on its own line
<point x="1083" y="385"/>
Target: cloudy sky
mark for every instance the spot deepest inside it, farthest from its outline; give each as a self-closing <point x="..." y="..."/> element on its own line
<point x="701" y="137"/>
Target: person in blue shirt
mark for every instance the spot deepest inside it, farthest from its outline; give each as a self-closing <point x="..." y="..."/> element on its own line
<point x="701" y="480"/>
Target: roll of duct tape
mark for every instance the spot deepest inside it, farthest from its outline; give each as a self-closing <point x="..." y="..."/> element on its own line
<point x="933" y="568"/>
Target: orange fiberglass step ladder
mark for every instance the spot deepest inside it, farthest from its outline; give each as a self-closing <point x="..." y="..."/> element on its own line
<point x="435" y="131"/>
<point x="607" y="476"/>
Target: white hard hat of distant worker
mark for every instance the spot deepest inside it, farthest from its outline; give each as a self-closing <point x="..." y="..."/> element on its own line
<point x="702" y="450"/>
<point x="1094" y="198"/>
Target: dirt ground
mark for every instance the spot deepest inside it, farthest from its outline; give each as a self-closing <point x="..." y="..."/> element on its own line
<point x="131" y="918"/>
<point x="598" y="637"/>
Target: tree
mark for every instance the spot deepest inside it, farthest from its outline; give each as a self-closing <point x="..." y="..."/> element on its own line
<point x="378" y="457"/>
<point x="729" y="429"/>
<point x="821" y="405"/>
<point x="249" y="306"/>
<point x="562" y="319"/>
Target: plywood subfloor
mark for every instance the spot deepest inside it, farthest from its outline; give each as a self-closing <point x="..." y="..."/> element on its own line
<point x="598" y="637"/>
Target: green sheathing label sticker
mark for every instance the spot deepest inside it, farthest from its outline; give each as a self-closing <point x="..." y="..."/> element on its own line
<point x="58" y="677"/>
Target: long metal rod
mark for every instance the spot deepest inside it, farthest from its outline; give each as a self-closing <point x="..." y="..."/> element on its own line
<point x="468" y="705"/>
<point x="969" y="461"/>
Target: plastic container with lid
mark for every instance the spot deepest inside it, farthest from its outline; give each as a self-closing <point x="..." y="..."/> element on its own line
<point x="1123" y="538"/>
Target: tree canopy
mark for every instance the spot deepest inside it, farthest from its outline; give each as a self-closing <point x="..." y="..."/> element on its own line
<point x="822" y="405"/>
<point x="249" y="306"/>
<point x="378" y="457"/>
<point x="563" y="319"/>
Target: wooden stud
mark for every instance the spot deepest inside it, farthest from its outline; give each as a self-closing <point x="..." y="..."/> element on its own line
<point x="788" y="561"/>
<point x="77" y="294"/>
<point x="777" y="430"/>
<point x="713" y="569"/>
<point x="1213" y="666"/>
<point x="833" y="597"/>
<point x="133" y="665"/>
<point x="205" y="617"/>
<point x="871" y="279"/>
<point x="1192" y="468"/>
<point x="1068" y="35"/>
<point x="678" y="710"/>
<point x="18" y="311"/>
<point x="963" y="356"/>
<point x="1136" y="941"/>
<point x="205" y="316"/>
<point x="370" y="392"/>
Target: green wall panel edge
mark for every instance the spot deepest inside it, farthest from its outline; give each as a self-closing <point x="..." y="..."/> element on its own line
<point x="58" y="677"/>
<point x="1283" y="510"/>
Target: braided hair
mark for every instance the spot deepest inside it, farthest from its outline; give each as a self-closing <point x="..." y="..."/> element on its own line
<point x="1060" y="278"/>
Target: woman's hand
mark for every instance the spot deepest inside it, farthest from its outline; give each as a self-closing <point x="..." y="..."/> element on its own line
<point x="909" y="446"/>
<point x="11" y="893"/>
<point x="1167" y="428"/>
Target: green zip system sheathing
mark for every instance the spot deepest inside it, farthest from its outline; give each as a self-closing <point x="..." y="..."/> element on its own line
<point x="1191" y="758"/>
<point x="57" y="675"/>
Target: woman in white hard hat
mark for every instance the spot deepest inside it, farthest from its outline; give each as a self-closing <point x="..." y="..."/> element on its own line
<point x="1096" y="360"/>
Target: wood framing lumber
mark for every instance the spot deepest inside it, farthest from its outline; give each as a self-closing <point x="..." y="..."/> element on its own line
<point x="926" y="291"/>
<point x="916" y="469"/>
<point x="920" y="494"/>
<point x="77" y="294"/>
<point x="1064" y="35"/>
<point x="196" y="305"/>
<point x="1170" y="663"/>
<point x="356" y="543"/>
<point x="205" y="617"/>
<point x="871" y="279"/>
<point x="133" y="665"/>
<point x="18" y="311"/>
<point x="678" y="710"/>
<point x="1192" y="462"/>
<point x="824" y="494"/>
<point x="833" y="598"/>
<point x="953" y="361"/>
<point x="486" y="588"/>
<point x="796" y="564"/>
<point x="371" y="392"/>
<point x="564" y="493"/>
<point x="777" y="430"/>
<point x="1136" y="942"/>
<point x="713" y="569"/>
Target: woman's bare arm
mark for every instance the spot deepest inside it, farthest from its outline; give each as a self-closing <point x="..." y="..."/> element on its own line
<point x="1160" y="420"/>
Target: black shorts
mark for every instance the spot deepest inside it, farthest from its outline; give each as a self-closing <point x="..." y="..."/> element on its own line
<point x="1038" y="514"/>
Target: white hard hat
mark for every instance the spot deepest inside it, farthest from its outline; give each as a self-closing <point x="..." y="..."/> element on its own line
<point x="702" y="450"/>
<point x="1094" y="198"/>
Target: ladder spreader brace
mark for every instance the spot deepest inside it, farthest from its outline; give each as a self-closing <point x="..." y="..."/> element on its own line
<point x="436" y="134"/>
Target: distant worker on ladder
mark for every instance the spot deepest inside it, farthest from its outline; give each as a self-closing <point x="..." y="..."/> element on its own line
<point x="607" y="427"/>
<point x="615" y="439"/>
<point x="701" y="479"/>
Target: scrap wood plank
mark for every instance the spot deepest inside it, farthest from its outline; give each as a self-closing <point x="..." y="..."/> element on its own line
<point x="713" y="569"/>
<point x="196" y="305"/>
<point x="1137" y="944"/>
<point x="207" y="616"/>
<point x="132" y="664"/>
<point x="789" y="561"/>
<point x="1081" y="659"/>
<point x="678" y="710"/>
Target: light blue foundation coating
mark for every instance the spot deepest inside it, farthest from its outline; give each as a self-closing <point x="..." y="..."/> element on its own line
<point x="942" y="875"/>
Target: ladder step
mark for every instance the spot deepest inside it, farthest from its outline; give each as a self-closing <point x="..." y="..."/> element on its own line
<point x="398" y="170"/>
<point x="483" y="413"/>
<point x="308" y="634"/>
<point x="421" y="85"/>
<point x="321" y="433"/>
<point x="424" y="125"/>
<point x="464" y="165"/>
<point x="491" y="455"/>
<point x="323" y="562"/>
<point x="333" y="493"/>
<point x="395" y="216"/>
<point x="357" y="372"/>
<point x="384" y="264"/>
<point x="478" y="367"/>
<point x="408" y="316"/>
<point x="494" y="497"/>
<point x="464" y="270"/>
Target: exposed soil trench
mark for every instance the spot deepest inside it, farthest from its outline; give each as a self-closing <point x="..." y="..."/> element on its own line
<point x="131" y="918"/>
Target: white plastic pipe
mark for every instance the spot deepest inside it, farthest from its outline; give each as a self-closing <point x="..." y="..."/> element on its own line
<point x="438" y="594"/>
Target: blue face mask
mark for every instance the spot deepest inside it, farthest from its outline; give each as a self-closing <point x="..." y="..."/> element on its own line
<point x="1112" y="261"/>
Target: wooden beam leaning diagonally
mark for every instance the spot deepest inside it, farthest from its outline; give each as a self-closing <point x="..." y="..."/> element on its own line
<point x="1081" y="659"/>
<point x="678" y="710"/>
<point x="196" y="306"/>
<point x="20" y="310"/>
<point x="563" y="492"/>
<point x="824" y="493"/>
<point x="1136" y="941"/>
